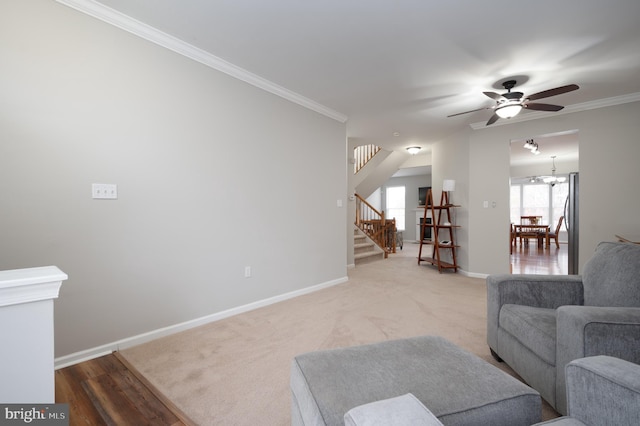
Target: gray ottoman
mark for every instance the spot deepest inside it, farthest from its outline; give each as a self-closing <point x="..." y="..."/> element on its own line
<point x="455" y="385"/>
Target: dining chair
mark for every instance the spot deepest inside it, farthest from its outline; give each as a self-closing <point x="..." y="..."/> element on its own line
<point x="554" y="235"/>
<point x="529" y="233"/>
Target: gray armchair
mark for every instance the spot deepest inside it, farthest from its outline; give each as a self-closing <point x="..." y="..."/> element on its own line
<point x="538" y="324"/>
<point x="601" y="390"/>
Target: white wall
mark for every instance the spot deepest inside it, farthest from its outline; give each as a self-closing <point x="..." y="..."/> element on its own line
<point x="609" y="175"/>
<point x="411" y="185"/>
<point x="213" y="175"/>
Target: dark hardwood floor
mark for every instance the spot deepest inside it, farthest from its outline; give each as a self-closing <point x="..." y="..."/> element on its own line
<point x="103" y="391"/>
<point x="532" y="259"/>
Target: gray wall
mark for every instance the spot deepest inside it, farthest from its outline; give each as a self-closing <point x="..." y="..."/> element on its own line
<point x="609" y="175"/>
<point x="213" y="175"/>
<point x="451" y="161"/>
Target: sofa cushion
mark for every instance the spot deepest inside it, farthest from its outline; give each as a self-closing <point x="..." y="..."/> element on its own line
<point x="403" y="410"/>
<point x="535" y="328"/>
<point x="612" y="276"/>
<point x="458" y="387"/>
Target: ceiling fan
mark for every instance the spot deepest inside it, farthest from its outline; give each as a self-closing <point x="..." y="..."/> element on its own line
<point x="511" y="103"/>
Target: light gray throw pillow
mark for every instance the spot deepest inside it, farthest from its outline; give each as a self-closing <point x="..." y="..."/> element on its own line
<point x="405" y="410"/>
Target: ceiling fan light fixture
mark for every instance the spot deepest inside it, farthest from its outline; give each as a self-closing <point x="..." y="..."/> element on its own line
<point x="509" y="104"/>
<point x="413" y="150"/>
<point x="509" y="110"/>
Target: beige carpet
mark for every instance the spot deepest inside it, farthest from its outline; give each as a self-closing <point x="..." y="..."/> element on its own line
<point x="236" y="371"/>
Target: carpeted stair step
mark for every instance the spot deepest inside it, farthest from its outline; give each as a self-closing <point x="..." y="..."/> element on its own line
<point x="363" y="247"/>
<point x="365" y="250"/>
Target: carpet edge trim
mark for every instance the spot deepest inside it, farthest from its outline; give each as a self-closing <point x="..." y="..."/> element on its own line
<point x="155" y="391"/>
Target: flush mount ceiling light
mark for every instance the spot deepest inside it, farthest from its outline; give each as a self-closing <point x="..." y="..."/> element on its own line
<point x="413" y="150"/>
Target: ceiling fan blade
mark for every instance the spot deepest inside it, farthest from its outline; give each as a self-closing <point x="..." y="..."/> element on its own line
<point x="467" y="112"/>
<point x="493" y="119"/>
<point x="553" y="92"/>
<point x="493" y="95"/>
<point x="542" y="107"/>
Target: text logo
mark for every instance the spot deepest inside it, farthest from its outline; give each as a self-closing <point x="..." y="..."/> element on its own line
<point x="34" y="414"/>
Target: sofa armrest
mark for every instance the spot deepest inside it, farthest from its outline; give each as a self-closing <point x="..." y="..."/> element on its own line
<point x="542" y="291"/>
<point x="584" y="331"/>
<point x="603" y="390"/>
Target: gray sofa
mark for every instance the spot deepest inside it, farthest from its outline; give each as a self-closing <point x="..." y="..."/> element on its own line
<point x="538" y="324"/>
<point x="601" y="390"/>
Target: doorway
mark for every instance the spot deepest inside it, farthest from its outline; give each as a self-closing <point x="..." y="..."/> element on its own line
<point x="542" y="172"/>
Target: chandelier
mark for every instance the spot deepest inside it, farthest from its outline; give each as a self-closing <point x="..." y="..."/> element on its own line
<point x="553" y="179"/>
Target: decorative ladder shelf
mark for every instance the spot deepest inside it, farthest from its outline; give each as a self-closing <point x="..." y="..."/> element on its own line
<point x="440" y="229"/>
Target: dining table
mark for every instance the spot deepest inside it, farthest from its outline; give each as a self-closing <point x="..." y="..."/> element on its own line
<point x="530" y="230"/>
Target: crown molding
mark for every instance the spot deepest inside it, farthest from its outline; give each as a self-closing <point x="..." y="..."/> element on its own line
<point x="584" y="106"/>
<point x="149" y="33"/>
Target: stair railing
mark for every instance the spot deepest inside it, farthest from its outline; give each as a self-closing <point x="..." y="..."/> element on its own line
<point x="373" y="223"/>
<point x="362" y="154"/>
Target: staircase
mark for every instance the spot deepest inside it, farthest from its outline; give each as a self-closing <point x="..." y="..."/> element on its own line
<point x="375" y="236"/>
<point x="364" y="249"/>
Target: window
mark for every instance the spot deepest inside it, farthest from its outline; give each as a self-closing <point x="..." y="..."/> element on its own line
<point x="538" y="199"/>
<point x="535" y="201"/>
<point x="395" y="205"/>
<point x="516" y="207"/>
<point x="559" y="194"/>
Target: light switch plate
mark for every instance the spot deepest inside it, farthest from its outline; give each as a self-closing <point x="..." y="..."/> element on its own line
<point x="104" y="191"/>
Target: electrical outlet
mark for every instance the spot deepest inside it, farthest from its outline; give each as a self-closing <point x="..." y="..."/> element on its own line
<point x="104" y="191"/>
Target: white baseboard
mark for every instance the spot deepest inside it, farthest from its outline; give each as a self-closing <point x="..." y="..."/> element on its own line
<point x="473" y="274"/>
<point x="77" y="357"/>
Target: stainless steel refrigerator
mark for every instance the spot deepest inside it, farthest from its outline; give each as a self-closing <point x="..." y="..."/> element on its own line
<point x="571" y="221"/>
